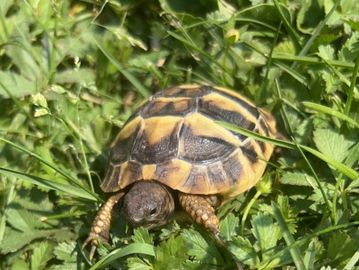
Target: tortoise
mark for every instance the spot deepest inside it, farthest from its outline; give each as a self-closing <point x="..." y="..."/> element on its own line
<point x="172" y="152"/>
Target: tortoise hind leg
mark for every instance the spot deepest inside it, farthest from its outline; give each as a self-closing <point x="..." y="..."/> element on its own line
<point x="100" y="229"/>
<point x="201" y="210"/>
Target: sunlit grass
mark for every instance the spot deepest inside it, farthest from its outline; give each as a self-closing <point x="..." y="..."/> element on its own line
<point x="71" y="73"/>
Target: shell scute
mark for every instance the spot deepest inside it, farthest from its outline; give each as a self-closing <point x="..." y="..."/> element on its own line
<point x="233" y="168"/>
<point x="159" y="140"/>
<point x="191" y="91"/>
<point x="249" y="152"/>
<point x="197" y="180"/>
<point x="202" y="148"/>
<point x="173" y="173"/>
<point x="168" y="106"/>
<point x="122" y="146"/>
<point x="174" y="138"/>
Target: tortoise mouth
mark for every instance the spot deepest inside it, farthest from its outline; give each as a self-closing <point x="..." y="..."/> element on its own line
<point x="148" y="204"/>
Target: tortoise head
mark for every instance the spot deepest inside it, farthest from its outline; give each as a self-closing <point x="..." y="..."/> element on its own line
<point x="148" y="204"/>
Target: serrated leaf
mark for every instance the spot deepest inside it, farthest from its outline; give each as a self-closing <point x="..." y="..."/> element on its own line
<point x="23" y="54"/>
<point x="23" y="220"/>
<point x="66" y="251"/>
<point x="135" y="263"/>
<point x="297" y="179"/>
<point x="82" y="76"/>
<point x="171" y="229"/>
<point x="353" y="155"/>
<point x="19" y="265"/>
<point x="332" y="144"/>
<point x="262" y="224"/>
<point x="134" y="248"/>
<point x="331" y="82"/>
<point x="36" y="200"/>
<point x="340" y="248"/>
<point x="198" y="247"/>
<point x="326" y="52"/>
<point x="229" y="226"/>
<point x="286" y="47"/>
<point x="15" y="240"/>
<point x="290" y="218"/>
<point x="244" y="251"/>
<point x="310" y="254"/>
<point x="15" y="85"/>
<point x="41" y="255"/>
<point x="65" y="266"/>
<point x="335" y="18"/>
<point x="307" y="21"/>
<point x="349" y="51"/>
<point x="149" y="59"/>
<point x="171" y="254"/>
<point x="141" y="235"/>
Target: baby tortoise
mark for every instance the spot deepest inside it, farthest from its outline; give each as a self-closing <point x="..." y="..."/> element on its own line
<point x="172" y="151"/>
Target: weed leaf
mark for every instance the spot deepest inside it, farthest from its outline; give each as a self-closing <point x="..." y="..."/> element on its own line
<point x="332" y="144"/>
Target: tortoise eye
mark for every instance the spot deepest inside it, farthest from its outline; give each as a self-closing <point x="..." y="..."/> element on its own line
<point x="153" y="211"/>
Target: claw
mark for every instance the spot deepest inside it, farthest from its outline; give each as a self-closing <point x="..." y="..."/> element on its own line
<point x="93" y="239"/>
<point x="100" y="229"/>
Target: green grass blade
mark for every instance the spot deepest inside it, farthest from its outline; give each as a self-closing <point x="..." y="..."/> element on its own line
<point x="317" y="180"/>
<point x="292" y="72"/>
<point x="294" y="35"/>
<point x="352" y="174"/>
<point x="70" y="178"/>
<point x="197" y="49"/>
<point x="352" y="85"/>
<point x="254" y="21"/>
<point x="17" y="103"/>
<point x="135" y="82"/>
<point x="309" y="257"/>
<point x="286" y="121"/>
<point x="242" y="15"/>
<point x="82" y="148"/>
<point x="74" y="191"/>
<point x="296" y="75"/>
<point x="310" y="60"/>
<point x="134" y="248"/>
<point x="310" y="236"/>
<point x="353" y="260"/>
<point x="317" y="31"/>
<point x="337" y="72"/>
<point x="294" y="250"/>
<point x="330" y="111"/>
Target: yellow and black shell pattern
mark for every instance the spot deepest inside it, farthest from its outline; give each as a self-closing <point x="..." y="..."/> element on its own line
<point x="174" y="138"/>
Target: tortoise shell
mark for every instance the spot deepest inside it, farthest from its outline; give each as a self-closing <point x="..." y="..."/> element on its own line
<point x="173" y="138"/>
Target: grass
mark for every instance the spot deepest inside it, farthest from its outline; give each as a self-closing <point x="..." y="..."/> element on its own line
<point x="72" y="72"/>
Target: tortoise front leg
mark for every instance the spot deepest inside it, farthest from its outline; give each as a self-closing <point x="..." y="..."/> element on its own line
<point x="201" y="210"/>
<point x="100" y="229"/>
